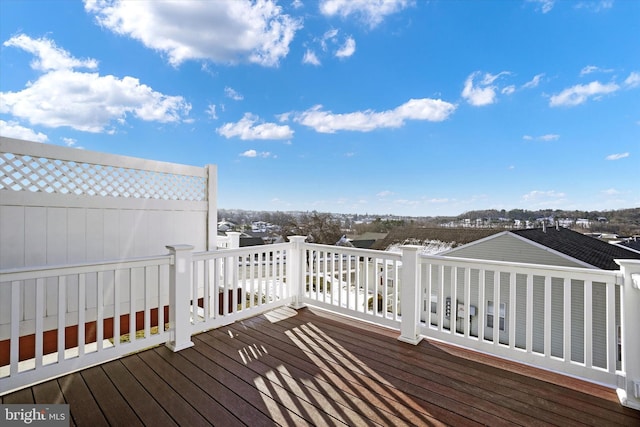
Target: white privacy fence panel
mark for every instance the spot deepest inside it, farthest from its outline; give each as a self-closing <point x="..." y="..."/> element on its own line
<point x="80" y="315"/>
<point x="358" y="282"/>
<point x="60" y="205"/>
<point x="559" y="318"/>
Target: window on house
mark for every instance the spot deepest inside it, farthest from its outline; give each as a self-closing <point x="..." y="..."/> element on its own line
<point x="490" y="314"/>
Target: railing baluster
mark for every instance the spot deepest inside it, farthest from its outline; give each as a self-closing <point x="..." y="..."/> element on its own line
<point x="132" y="308"/>
<point x="512" y="310"/>
<point x="116" y="307"/>
<point x="611" y="327"/>
<point x="566" y="335"/>
<point x="39" y="321"/>
<point x="81" y="313"/>
<point x="588" y="323"/>
<point x="62" y="314"/>
<point x="547" y="316"/>
<point x="99" y="310"/>
<point x="15" y="326"/>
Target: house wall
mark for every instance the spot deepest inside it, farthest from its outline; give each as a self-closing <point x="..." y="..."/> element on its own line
<point x="506" y="247"/>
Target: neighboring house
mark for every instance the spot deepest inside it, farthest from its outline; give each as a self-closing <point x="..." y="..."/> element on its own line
<point x="548" y="246"/>
<point x="545" y="246"/>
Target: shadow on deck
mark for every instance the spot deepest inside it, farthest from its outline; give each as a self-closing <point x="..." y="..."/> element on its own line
<point x="314" y="368"/>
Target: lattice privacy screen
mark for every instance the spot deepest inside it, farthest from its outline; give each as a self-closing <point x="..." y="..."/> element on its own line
<point x="36" y="174"/>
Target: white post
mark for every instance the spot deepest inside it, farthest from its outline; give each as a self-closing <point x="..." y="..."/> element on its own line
<point x="629" y="380"/>
<point x="179" y="298"/>
<point x="234" y="239"/>
<point x="295" y="271"/>
<point x="212" y="208"/>
<point x="410" y="296"/>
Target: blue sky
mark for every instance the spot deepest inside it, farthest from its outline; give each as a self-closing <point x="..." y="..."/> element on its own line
<point x="403" y="107"/>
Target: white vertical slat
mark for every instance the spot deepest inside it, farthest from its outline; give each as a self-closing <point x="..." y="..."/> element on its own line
<point x="62" y="314"/>
<point x="132" y="307"/>
<point x="340" y="271"/>
<point x="207" y="289"/>
<point x="348" y="281"/>
<point x="467" y="301"/>
<point x="100" y="310"/>
<point x="547" y="316"/>
<point x="612" y="342"/>
<point x="233" y="276"/>
<point x="81" y="313"/>
<point x="482" y="319"/>
<point x="194" y="291"/>
<point x="441" y="301"/>
<point x="116" y="307"/>
<point x="453" y="283"/>
<point x="497" y="282"/>
<point x="15" y="327"/>
<point x="566" y="335"/>
<point x="529" y="327"/>
<point x="357" y="283"/>
<point x="588" y="324"/>
<point x="39" y="321"/>
<point x="163" y="289"/>
<point x="251" y="279"/>
<point x="512" y="310"/>
<point x="147" y="300"/>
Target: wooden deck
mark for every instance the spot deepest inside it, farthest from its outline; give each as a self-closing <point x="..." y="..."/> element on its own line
<point x="313" y="368"/>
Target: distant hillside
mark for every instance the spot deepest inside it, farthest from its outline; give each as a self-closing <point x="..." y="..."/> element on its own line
<point x="420" y="236"/>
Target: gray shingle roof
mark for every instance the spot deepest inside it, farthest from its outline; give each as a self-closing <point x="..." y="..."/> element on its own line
<point x="588" y="249"/>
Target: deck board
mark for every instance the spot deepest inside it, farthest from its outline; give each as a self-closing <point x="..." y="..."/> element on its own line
<point x="311" y="367"/>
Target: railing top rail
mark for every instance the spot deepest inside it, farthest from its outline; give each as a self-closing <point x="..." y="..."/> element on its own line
<point x="224" y="252"/>
<point x="510" y="265"/>
<point x="355" y="251"/>
<point x="23" y="273"/>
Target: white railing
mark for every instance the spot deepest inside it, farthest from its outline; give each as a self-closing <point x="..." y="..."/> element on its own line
<point x="356" y="282"/>
<point x="61" y="319"/>
<point x="563" y="319"/>
<point x="576" y="321"/>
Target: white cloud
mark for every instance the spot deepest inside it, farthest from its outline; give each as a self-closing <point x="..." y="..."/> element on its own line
<point x="69" y="142"/>
<point x="617" y="156"/>
<point x="223" y="31"/>
<point x="371" y="12"/>
<point x="483" y="92"/>
<point x="549" y="137"/>
<point x="12" y="129"/>
<point x="534" y="82"/>
<point x="590" y="69"/>
<point x="310" y="58"/>
<point x="231" y="93"/>
<point x="48" y="56"/>
<point x="633" y="80"/>
<point x="211" y="112"/>
<point x="434" y="110"/>
<point x="329" y="35"/>
<point x="247" y="129"/>
<point x="385" y="193"/>
<point x="611" y="192"/>
<point x="595" y="6"/>
<point x="546" y="137"/>
<point x="347" y="49"/>
<point x="508" y="90"/>
<point x="538" y="196"/>
<point x="254" y="153"/>
<point x="84" y="101"/>
<point x="579" y="94"/>
<point x="544" y="5"/>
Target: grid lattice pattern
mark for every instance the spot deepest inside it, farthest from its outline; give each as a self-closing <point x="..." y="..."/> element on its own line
<point x="35" y="174"/>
